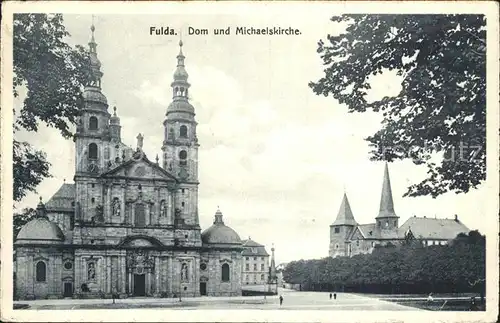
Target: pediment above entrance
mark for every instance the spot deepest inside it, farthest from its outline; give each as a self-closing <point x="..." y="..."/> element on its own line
<point x="140" y="168"/>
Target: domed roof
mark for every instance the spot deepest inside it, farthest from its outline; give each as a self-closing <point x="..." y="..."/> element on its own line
<point x="180" y="106"/>
<point x="219" y="233"/>
<point x="114" y="120"/>
<point x="94" y="95"/>
<point x="40" y="230"/>
<point x="180" y="74"/>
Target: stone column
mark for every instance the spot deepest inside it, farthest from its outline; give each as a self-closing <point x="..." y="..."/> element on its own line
<point x="109" y="276"/>
<point x="124" y="205"/>
<point x="109" y="203"/>
<point x="170" y="276"/>
<point x="158" y="204"/>
<point x="123" y="276"/>
<point x="170" y="208"/>
<point x="157" y="275"/>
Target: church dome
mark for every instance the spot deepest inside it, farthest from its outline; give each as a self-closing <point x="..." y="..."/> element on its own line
<point x="180" y="74"/>
<point x="94" y="95"/>
<point x="180" y="106"/>
<point x="40" y="230"/>
<point x="219" y="233"/>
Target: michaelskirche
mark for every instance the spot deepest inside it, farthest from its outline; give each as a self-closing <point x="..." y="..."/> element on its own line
<point x="128" y="226"/>
<point x="348" y="238"/>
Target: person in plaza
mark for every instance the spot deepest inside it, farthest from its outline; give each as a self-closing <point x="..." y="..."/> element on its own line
<point x="334" y="295"/>
<point x="281" y="300"/>
<point x="430" y="298"/>
<point x="330" y="295"/>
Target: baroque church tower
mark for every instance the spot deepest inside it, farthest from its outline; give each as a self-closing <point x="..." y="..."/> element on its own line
<point x="180" y="145"/>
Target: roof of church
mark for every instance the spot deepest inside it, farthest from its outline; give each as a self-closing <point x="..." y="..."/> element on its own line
<point x="386" y="202"/>
<point x="345" y="216"/>
<point x="219" y="233"/>
<point x="429" y="228"/>
<point x="370" y="231"/>
<point x="63" y="198"/>
<point x="253" y="248"/>
<point x="40" y="230"/>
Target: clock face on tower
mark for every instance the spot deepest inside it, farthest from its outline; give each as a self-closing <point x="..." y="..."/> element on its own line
<point x="93" y="168"/>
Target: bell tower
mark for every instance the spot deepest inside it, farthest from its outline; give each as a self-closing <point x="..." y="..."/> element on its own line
<point x="93" y="123"/>
<point x="180" y="145"/>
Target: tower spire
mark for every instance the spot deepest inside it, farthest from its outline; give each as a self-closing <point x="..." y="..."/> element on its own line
<point x="345" y="216"/>
<point x="386" y="201"/>
<point x="95" y="64"/>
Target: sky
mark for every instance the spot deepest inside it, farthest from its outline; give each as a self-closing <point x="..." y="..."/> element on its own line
<point x="275" y="157"/>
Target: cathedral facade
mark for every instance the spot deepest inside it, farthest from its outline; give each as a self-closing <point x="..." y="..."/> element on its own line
<point x="128" y="226"/>
<point x="348" y="238"/>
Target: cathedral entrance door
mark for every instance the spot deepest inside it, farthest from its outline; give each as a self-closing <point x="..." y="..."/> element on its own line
<point x="68" y="290"/>
<point x="140" y="285"/>
<point x="203" y="288"/>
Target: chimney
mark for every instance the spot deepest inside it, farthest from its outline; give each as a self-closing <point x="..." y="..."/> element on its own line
<point x="456" y="218"/>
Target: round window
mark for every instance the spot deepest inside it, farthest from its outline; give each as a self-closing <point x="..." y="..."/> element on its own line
<point x="68" y="265"/>
<point x="203" y="266"/>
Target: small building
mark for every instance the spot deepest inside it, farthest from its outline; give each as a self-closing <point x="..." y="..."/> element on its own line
<point x="255" y="267"/>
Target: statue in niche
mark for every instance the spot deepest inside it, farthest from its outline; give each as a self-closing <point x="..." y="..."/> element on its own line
<point x="184" y="272"/>
<point x="163" y="208"/>
<point x="91" y="271"/>
<point x="116" y="207"/>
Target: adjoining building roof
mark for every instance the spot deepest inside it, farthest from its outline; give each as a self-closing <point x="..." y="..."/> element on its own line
<point x="253" y="248"/>
<point x="429" y="228"/>
<point x="345" y="216"/>
<point x="63" y="198"/>
<point x="370" y="231"/>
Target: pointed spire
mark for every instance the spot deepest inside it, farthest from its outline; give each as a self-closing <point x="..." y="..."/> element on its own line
<point x="345" y="216"/>
<point x="386" y="202"/>
<point x="218" y="217"/>
<point x="95" y="66"/>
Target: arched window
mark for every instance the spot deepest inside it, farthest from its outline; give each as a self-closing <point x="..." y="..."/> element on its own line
<point x="262" y="277"/>
<point x="93" y="123"/>
<point x="41" y="271"/>
<point x="357" y="242"/>
<point x="182" y="158"/>
<point x="386" y="224"/>
<point x="92" y="151"/>
<point x="225" y="272"/>
<point x="183" y="131"/>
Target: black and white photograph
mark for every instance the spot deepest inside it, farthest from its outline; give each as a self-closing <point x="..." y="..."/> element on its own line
<point x="270" y="161"/>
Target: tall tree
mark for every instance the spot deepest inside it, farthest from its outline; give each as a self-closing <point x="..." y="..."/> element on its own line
<point x="52" y="74"/>
<point x="441" y="108"/>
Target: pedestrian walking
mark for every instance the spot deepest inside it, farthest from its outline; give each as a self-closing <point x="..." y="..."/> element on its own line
<point x="330" y="295"/>
<point x="334" y="295"/>
<point x="281" y="300"/>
